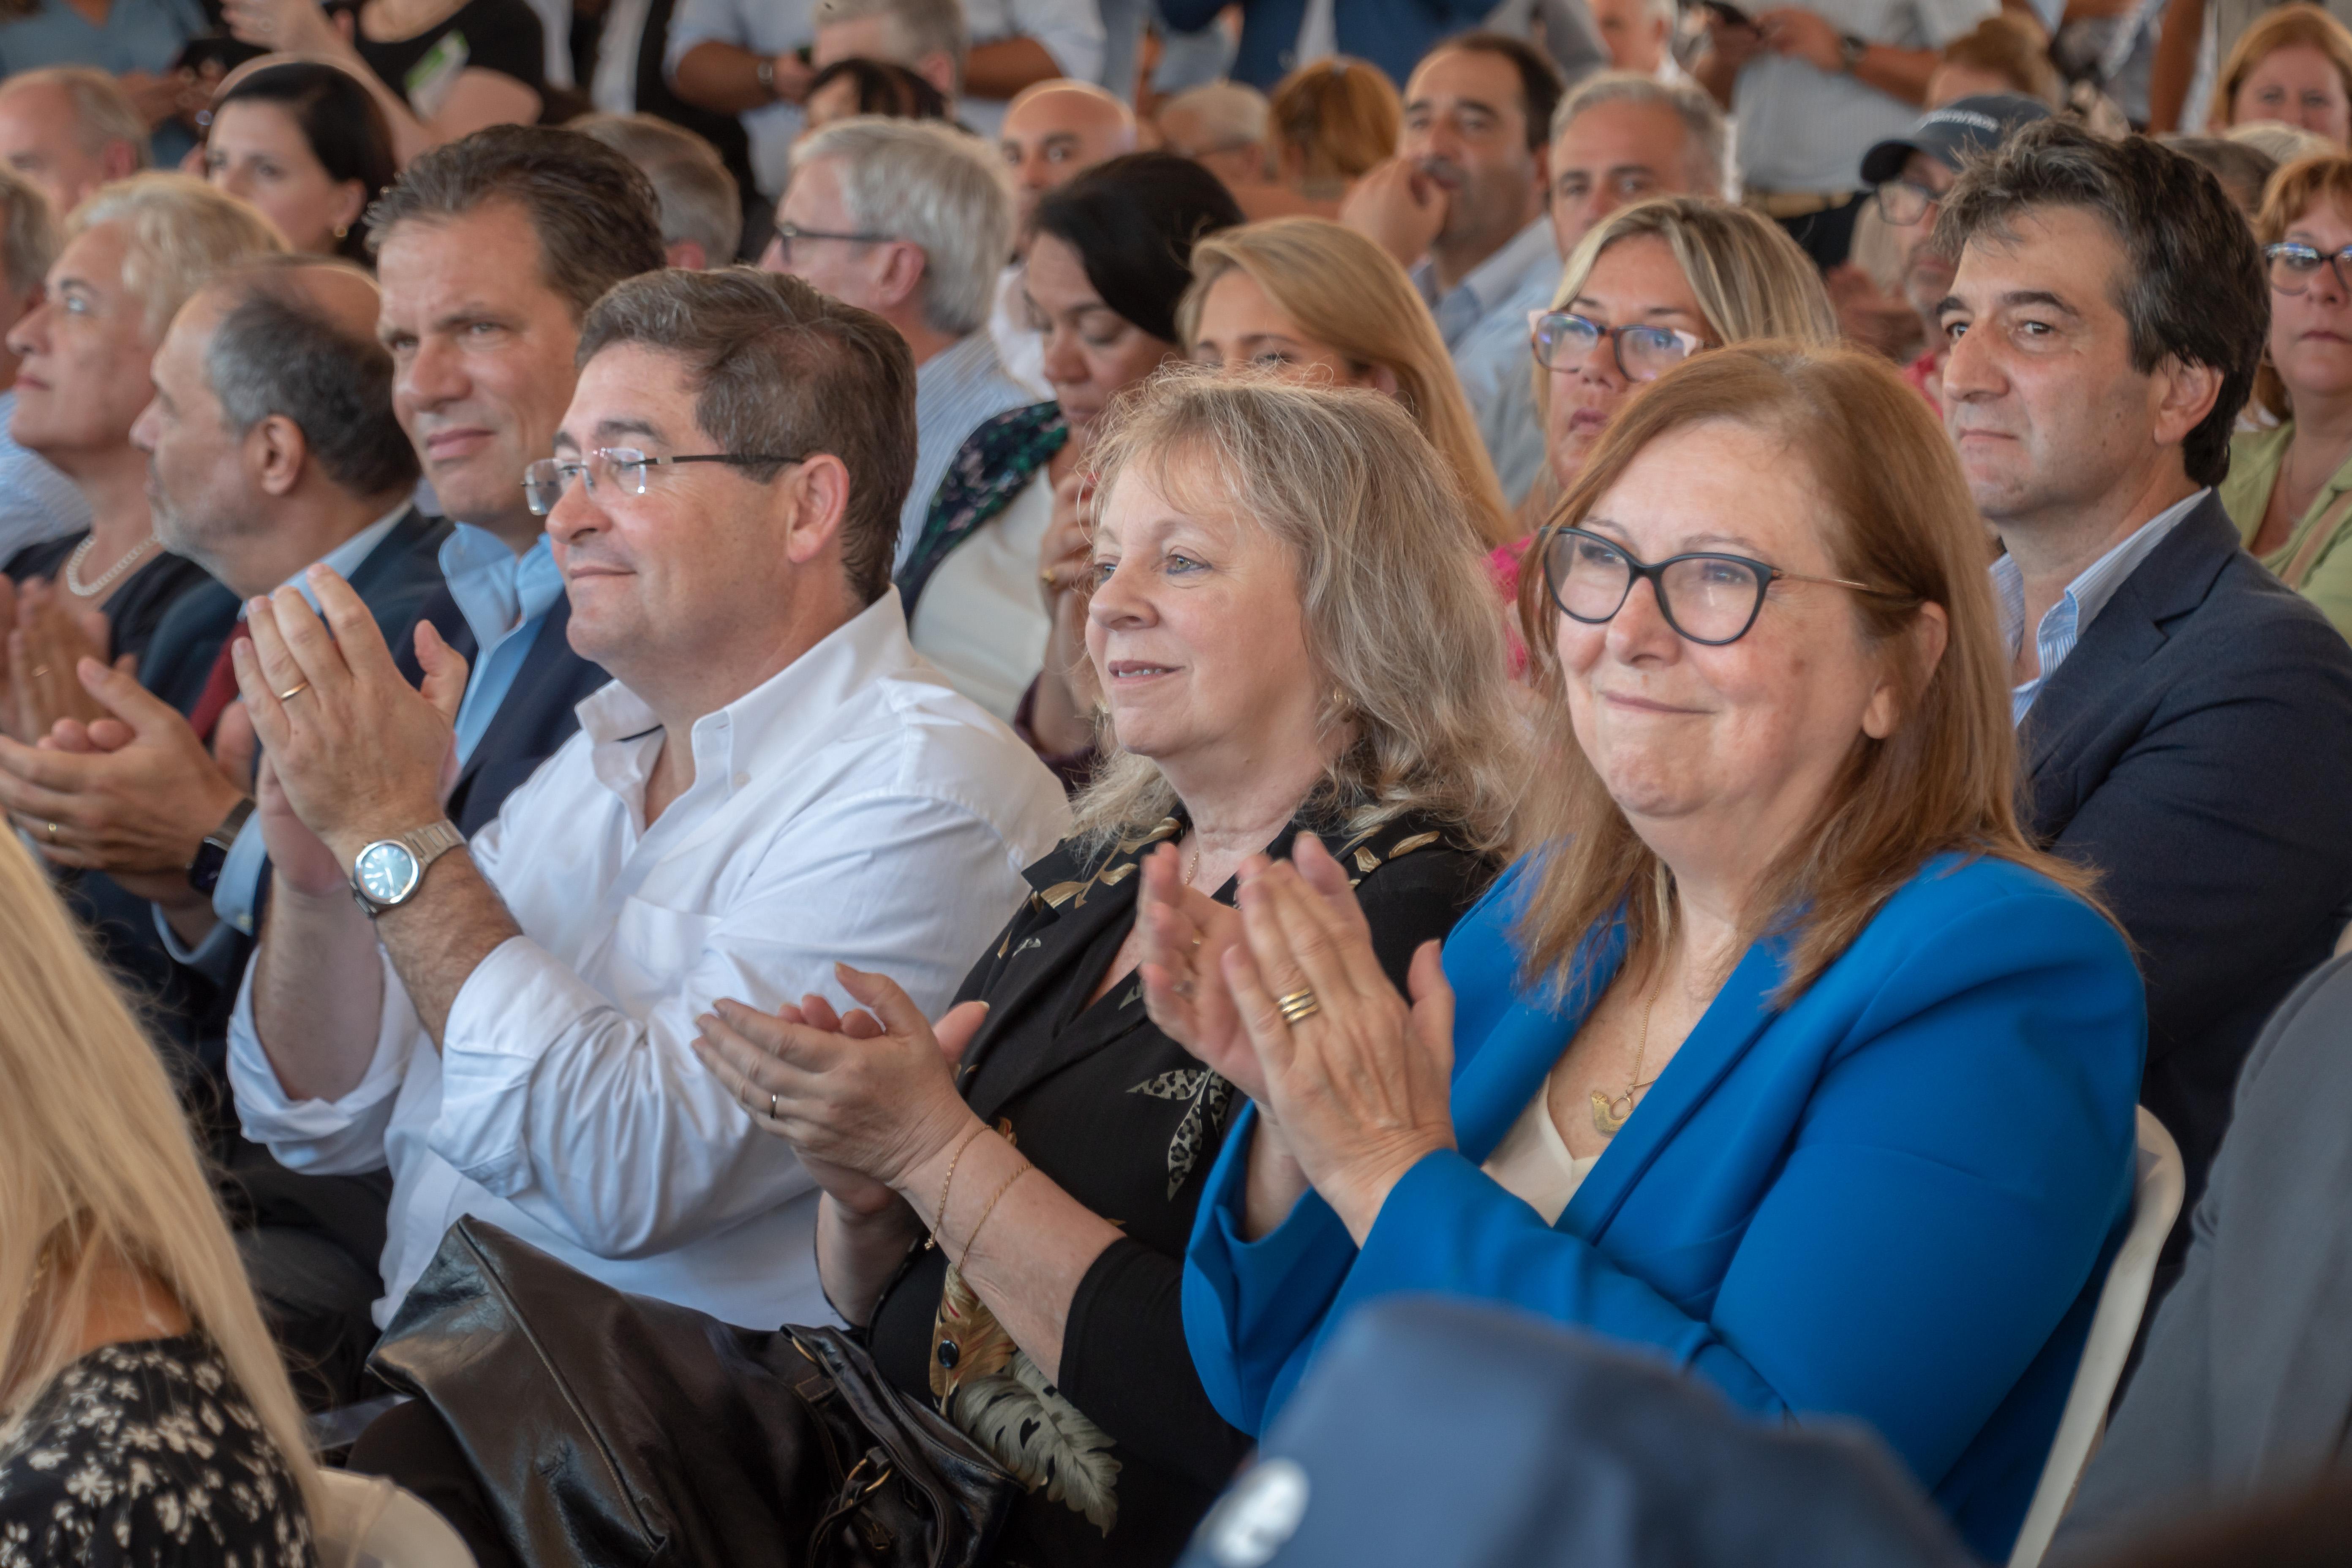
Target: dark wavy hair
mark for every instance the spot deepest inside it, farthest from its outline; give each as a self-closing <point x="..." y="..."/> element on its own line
<point x="885" y="87"/>
<point x="1133" y="222"/>
<point x="341" y="122"/>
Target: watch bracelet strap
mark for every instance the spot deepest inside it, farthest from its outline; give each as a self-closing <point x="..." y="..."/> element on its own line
<point x="232" y="825"/>
<point x="432" y="841"/>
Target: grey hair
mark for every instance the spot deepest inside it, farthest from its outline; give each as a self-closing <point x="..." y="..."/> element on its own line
<point x="932" y="186"/>
<point x="1704" y="138"/>
<point x="102" y="111"/>
<point x="780" y="368"/>
<point x="1234" y="114"/>
<point x="1399" y="617"/>
<point x="918" y="28"/>
<point x="182" y="232"/>
<point x="274" y="353"/>
<point x="28" y="237"/>
<point x="699" y="198"/>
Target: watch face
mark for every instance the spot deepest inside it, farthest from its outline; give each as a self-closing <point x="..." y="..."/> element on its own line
<point x="387" y="872"/>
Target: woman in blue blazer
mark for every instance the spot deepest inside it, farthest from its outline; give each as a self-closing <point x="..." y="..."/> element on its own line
<point x="1785" y="1057"/>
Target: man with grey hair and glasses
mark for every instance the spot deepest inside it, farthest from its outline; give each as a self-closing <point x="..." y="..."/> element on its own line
<point x="36" y="501"/>
<point x="774" y="784"/>
<point x="908" y="219"/>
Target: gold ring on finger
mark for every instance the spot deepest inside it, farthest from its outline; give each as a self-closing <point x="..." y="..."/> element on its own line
<point x="293" y="691"/>
<point x="1298" y="1007"/>
<point x="773" y="1116"/>
<point x="39" y="670"/>
<point x="53" y="832"/>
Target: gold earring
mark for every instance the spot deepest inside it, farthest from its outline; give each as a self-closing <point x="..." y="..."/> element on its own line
<point x="342" y="230"/>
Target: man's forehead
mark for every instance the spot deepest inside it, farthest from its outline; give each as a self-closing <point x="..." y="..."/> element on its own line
<point x="92" y="259"/>
<point x="1464" y="75"/>
<point x="1611" y="128"/>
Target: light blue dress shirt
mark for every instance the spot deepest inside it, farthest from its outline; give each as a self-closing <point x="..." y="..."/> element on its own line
<point x="37" y="502"/>
<point x="2064" y="624"/>
<point x="505" y="599"/>
<point x="239" y="888"/>
<point x="957" y="390"/>
<point x="1484" y="320"/>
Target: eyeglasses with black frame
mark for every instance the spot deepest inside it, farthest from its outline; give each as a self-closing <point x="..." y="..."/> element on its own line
<point x="544" y="481"/>
<point x="1707" y="596"/>
<point x="1905" y="202"/>
<point x="2293" y="264"/>
<point x="1562" y="340"/>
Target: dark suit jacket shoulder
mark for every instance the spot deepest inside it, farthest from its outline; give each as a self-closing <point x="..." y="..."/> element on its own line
<point x="534" y="719"/>
<point x="2194" y="748"/>
<point x="2247" y="1384"/>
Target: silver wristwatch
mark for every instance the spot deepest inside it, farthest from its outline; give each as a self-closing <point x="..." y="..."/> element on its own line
<point x="388" y="872"/>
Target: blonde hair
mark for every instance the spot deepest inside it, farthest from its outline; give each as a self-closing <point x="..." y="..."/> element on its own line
<point x="1344" y="292"/>
<point x="2282" y="28"/>
<point x="1338" y="118"/>
<point x="1896" y="516"/>
<point x="1399" y="621"/>
<point x="181" y="231"/>
<point x="97" y="1165"/>
<point x="1749" y="277"/>
<point x="2293" y="191"/>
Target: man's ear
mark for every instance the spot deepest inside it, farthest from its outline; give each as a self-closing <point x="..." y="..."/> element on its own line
<point x="2185" y="393"/>
<point x="903" y="267"/>
<point x="686" y="253"/>
<point x="277" y="452"/>
<point x="816" y="501"/>
<point x="937" y="67"/>
<point x="120" y="160"/>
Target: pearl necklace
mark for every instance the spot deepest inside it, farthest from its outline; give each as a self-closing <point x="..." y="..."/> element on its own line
<point x="81" y="552"/>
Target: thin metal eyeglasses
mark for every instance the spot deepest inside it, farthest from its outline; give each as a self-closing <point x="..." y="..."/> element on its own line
<point x="1905" y="202"/>
<point x="1706" y="596"/>
<point x="544" y="481"/>
<point x="1562" y="340"/>
<point x="2293" y="265"/>
<point x="786" y="232"/>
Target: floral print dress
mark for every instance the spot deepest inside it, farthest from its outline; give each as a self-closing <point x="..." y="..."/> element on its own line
<point x="146" y="1455"/>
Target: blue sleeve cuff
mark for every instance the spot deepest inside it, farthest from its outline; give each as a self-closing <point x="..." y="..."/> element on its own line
<point x="237" y="895"/>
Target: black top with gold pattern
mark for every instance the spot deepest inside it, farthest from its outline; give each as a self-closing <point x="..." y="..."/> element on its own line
<point x="1127" y="1454"/>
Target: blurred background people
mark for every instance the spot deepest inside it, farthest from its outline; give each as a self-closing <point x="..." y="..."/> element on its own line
<point x="1334" y="121"/>
<point x="144" y="1415"/>
<point x="908" y="220"/>
<point x="135" y="45"/>
<point x="1461" y="206"/>
<point x="1619" y="137"/>
<point x="439" y="69"/>
<point x="1226" y="127"/>
<point x="701" y="209"/>
<point x="131" y="257"/>
<point x="2244" y="168"/>
<point x="749" y="58"/>
<point x="2007" y="53"/>
<point x="38" y="503"/>
<point x="1052" y="134"/>
<point x="2289" y="488"/>
<point x="1109" y="257"/>
<point x="981" y="53"/>
<point x="853" y="86"/>
<point x="2293" y="65"/>
<point x="306" y="144"/>
<point x="1639" y="37"/>
<point x="70" y="129"/>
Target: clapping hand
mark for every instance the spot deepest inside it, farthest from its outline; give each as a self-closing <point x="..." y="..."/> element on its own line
<point x="863" y="1098"/>
<point x="46" y="642"/>
<point x="1398" y="207"/>
<point x="1795" y="33"/>
<point x="1360" y="1080"/>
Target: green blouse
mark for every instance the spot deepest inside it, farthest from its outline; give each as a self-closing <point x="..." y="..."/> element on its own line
<point x="2255" y="460"/>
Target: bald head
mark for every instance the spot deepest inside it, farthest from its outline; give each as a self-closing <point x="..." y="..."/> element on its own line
<point x="1058" y="130"/>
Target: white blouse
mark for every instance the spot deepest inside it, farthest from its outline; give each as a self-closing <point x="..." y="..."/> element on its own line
<point x="982" y="619"/>
<point x="1532" y="1162"/>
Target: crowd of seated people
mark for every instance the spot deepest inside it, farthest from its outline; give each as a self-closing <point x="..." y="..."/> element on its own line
<point x="836" y="677"/>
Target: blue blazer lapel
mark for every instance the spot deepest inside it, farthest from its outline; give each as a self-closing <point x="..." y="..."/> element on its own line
<point x="1739" y="1015"/>
<point x="1518" y="1052"/>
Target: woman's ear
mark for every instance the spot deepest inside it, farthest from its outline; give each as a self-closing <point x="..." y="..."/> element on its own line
<point x="1902" y="679"/>
<point x="1380" y="378"/>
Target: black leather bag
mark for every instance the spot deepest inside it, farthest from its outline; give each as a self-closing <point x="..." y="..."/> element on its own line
<point x="616" y="1430"/>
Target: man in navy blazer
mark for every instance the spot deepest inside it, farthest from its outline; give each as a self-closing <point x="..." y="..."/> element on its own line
<point x="2184" y="721"/>
<point x="565" y="218"/>
<point x="1391" y="34"/>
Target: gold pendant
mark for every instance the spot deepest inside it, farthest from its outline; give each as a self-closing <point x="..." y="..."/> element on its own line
<point x="1606" y="1117"/>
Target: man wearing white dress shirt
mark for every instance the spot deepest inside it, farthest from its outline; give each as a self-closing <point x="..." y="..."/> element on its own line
<point x="774" y="781"/>
<point x="940" y="223"/>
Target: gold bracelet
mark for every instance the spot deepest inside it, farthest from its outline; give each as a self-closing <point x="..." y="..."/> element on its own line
<point x="973" y="1239"/>
<point x="947" y="1186"/>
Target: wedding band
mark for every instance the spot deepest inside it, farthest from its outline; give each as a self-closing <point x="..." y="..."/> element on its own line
<point x="53" y="832"/>
<point x="1298" y="1007"/>
<point x="291" y="693"/>
<point x="772" y="1108"/>
<point x="39" y="670"/>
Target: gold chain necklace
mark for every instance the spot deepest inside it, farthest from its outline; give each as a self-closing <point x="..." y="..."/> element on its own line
<point x="1607" y="1115"/>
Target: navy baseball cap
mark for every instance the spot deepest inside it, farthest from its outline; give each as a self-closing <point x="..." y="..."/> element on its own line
<point x="1954" y="134"/>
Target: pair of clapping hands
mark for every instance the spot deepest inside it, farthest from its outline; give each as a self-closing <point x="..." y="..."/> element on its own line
<point x="46" y="639"/>
<point x="1356" y="1093"/>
